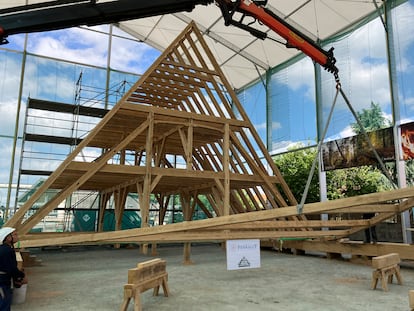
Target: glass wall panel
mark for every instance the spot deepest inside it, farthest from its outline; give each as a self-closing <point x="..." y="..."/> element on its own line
<point x="292" y="107"/>
<point x="253" y="100"/>
<point x="6" y="145"/>
<point x="10" y="72"/>
<point x="65" y="82"/>
<point x="403" y="35"/>
<point x="363" y="70"/>
<point x="6" y="149"/>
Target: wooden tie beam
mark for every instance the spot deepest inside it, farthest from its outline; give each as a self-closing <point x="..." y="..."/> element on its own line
<point x="147" y="275"/>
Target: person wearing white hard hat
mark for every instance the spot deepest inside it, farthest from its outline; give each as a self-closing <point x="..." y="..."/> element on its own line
<point x="8" y="267"/>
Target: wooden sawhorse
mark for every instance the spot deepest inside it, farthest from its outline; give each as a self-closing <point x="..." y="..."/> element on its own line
<point x="385" y="268"/>
<point x="147" y="275"/>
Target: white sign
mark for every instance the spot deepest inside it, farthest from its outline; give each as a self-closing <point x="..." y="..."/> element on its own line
<point x="243" y="254"/>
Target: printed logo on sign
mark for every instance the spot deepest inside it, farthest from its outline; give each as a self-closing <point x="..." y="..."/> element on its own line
<point x="243" y="263"/>
<point x="86" y="218"/>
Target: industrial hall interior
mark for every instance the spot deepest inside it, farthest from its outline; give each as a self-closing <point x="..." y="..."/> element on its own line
<point x="206" y="147"/>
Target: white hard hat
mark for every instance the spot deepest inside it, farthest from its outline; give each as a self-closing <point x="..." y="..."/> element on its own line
<point x="4" y="232"/>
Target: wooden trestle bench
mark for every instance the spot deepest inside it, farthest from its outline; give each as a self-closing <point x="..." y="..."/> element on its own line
<point x="411" y="299"/>
<point x="386" y="266"/>
<point x="147" y="275"/>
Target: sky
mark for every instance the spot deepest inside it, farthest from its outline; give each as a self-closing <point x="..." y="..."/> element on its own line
<point x="361" y="59"/>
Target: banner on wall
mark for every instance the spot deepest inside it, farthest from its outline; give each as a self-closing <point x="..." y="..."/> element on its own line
<point x="355" y="151"/>
<point x="407" y="141"/>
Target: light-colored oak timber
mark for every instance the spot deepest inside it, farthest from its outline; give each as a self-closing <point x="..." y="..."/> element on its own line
<point x="148" y="275"/>
<point x="358" y="248"/>
<point x="386" y="266"/>
<point x="184" y="111"/>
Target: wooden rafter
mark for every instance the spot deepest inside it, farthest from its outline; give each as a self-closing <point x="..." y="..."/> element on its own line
<point x="184" y="108"/>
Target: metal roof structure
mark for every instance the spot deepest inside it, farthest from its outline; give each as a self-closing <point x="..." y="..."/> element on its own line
<point x="242" y="57"/>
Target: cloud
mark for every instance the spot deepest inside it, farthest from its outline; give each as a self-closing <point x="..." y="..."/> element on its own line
<point x="260" y="126"/>
<point x="403" y="24"/>
<point x="132" y="56"/>
<point x="9" y="91"/>
<point x="9" y="83"/>
<point x="300" y="77"/>
<point x="276" y="125"/>
<point x="368" y="40"/>
<point x="74" y="44"/>
<point x="362" y="61"/>
<point x="346" y="132"/>
<point x="83" y="46"/>
<point x="6" y="152"/>
<point x="8" y="110"/>
<point x="89" y="155"/>
<point x="287" y="145"/>
<point x="369" y="82"/>
<point x="49" y="80"/>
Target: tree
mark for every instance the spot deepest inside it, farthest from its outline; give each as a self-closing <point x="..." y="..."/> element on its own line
<point x="295" y="167"/>
<point x="355" y="181"/>
<point x="371" y="119"/>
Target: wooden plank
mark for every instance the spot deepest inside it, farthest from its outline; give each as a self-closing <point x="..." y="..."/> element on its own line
<point x="226" y="169"/>
<point x="294" y="224"/>
<point x="405" y="251"/>
<point x="111" y="237"/>
<point x="168" y="172"/>
<point x="147" y="272"/>
<point x="387" y="260"/>
<point x="150" y="274"/>
<point x="411" y="299"/>
<point x="246" y="217"/>
<point x="149" y="262"/>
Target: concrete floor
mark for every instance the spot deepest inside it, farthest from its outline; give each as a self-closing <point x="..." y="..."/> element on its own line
<point x="92" y="278"/>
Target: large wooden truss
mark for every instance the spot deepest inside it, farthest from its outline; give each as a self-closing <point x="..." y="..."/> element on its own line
<point x="184" y="111"/>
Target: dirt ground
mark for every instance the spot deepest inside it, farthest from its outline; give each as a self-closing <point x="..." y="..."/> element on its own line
<point x="92" y="278"/>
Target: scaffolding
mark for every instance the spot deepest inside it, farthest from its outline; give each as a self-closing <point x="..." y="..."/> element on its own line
<point x="51" y="131"/>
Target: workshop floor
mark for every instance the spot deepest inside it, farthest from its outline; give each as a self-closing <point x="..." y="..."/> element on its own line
<point x="85" y="278"/>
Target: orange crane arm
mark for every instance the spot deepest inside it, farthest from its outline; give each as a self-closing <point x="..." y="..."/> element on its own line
<point x="294" y="38"/>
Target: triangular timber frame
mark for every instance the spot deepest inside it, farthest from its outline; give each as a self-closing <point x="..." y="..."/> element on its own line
<point x="184" y="108"/>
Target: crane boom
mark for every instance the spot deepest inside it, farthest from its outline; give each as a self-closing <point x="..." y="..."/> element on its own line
<point x="294" y="38"/>
<point x="58" y="14"/>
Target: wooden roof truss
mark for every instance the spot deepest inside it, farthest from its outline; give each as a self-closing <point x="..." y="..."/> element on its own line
<point x="180" y="130"/>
